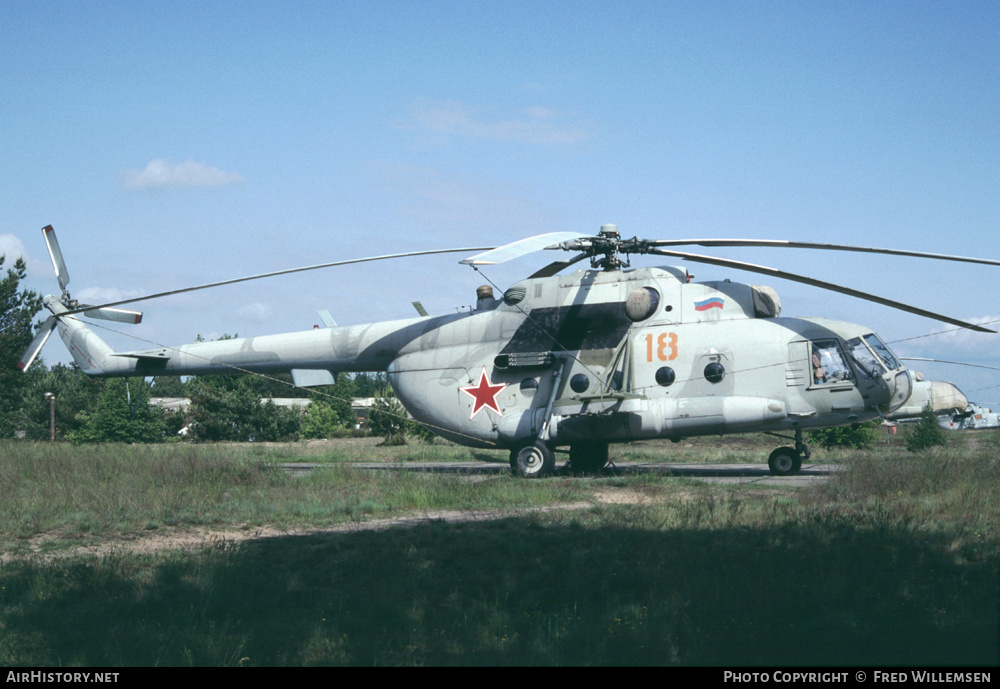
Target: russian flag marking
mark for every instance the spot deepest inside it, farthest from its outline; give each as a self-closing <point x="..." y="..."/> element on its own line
<point x="713" y="303"/>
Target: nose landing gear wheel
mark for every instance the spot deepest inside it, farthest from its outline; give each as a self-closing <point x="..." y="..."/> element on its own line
<point x="533" y="459"/>
<point x="785" y="461"/>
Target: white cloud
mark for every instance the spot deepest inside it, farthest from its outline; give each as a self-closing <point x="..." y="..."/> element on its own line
<point x="954" y="344"/>
<point x="534" y="125"/>
<point x="256" y="312"/>
<point x="104" y="295"/>
<point x="39" y="268"/>
<point x="162" y="174"/>
<point x="11" y="247"/>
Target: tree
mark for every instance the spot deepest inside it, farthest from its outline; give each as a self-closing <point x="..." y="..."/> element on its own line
<point x="119" y="419"/>
<point x="925" y="433"/>
<point x="229" y="408"/>
<point x="329" y="416"/>
<point x="168" y="386"/>
<point x="368" y="384"/>
<point x="74" y="391"/>
<point x="321" y="421"/>
<point x="17" y="312"/>
<point x="388" y="418"/>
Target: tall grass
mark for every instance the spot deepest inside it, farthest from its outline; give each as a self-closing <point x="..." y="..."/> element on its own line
<point x="949" y="485"/>
<point x="368" y="449"/>
<point x="891" y="562"/>
<point x="94" y="491"/>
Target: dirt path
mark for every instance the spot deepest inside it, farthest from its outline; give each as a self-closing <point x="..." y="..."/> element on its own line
<point x="53" y="545"/>
<point x="194" y="538"/>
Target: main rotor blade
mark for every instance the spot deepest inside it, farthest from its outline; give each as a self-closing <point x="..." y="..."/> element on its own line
<point x="764" y="270"/>
<point x="37" y="342"/>
<point x="523" y="247"/>
<point x="554" y="267"/>
<point x="58" y="264"/>
<point x="274" y="274"/>
<point x="942" y="361"/>
<point x="785" y="244"/>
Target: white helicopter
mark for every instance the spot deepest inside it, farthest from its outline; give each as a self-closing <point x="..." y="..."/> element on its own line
<point x="943" y="399"/>
<point x="601" y="355"/>
<point x="973" y="417"/>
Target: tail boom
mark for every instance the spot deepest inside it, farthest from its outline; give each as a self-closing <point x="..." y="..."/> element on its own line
<point x="309" y="353"/>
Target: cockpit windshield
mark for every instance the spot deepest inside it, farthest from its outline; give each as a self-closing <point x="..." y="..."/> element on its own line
<point x="865" y="358"/>
<point x="888" y="358"/>
<point x="872" y="355"/>
<point x="875" y="360"/>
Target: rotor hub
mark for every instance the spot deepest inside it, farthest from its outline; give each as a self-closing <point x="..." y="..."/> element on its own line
<point x="606" y="248"/>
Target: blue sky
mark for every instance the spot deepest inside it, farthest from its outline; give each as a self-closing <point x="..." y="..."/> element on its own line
<point x="180" y="143"/>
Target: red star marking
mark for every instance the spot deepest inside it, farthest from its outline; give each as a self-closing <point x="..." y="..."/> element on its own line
<point x="484" y="393"/>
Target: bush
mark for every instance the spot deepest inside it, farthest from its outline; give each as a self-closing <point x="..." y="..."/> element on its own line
<point x="856" y="436"/>
<point x="925" y="433"/>
<point x="325" y="419"/>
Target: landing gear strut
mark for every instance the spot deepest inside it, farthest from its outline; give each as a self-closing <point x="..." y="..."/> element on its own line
<point x="787" y="461"/>
<point x="588" y="459"/>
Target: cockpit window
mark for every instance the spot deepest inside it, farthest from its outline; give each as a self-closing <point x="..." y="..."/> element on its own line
<point x="888" y="358"/>
<point x="865" y="358"/>
<point x="828" y="363"/>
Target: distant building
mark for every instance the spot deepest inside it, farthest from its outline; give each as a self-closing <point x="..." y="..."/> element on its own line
<point x="170" y="404"/>
<point x="299" y="403"/>
<point x="359" y="405"/>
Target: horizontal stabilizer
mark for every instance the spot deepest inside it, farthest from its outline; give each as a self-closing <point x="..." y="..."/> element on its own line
<point x="311" y="377"/>
<point x="158" y="354"/>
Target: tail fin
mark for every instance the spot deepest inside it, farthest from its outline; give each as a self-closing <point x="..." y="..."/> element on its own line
<point x="89" y="351"/>
<point x="92" y="354"/>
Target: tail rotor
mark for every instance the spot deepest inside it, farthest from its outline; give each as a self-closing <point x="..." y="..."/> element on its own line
<point x="60" y="305"/>
<point x="41" y="337"/>
<point x="58" y="264"/>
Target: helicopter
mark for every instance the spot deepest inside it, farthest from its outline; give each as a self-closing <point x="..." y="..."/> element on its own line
<point x="581" y="360"/>
<point x="973" y="417"/>
<point x="941" y="397"/>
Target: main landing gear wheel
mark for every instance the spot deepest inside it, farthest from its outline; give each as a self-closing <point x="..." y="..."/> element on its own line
<point x="785" y="461"/>
<point x="532" y="459"/>
<point x="588" y="459"/>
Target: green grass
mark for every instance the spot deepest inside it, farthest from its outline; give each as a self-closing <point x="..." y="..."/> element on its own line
<point x="81" y="493"/>
<point x="369" y="449"/>
<point x="894" y="561"/>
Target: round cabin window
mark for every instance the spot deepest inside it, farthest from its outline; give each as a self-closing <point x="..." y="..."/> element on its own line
<point x="665" y="376"/>
<point x="579" y="383"/>
<point x="715" y="372"/>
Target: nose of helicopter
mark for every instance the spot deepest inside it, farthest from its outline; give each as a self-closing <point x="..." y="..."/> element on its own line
<point x="900" y="383"/>
<point x="945" y="395"/>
